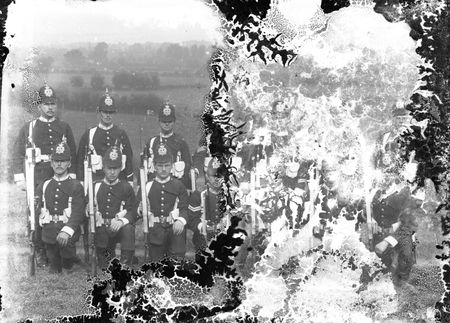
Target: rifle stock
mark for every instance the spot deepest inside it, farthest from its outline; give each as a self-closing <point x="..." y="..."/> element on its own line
<point x="143" y="182"/>
<point x="203" y="216"/>
<point x="193" y="179"/>
<point x="91" y="211"/>
<point x="30" y="161"/>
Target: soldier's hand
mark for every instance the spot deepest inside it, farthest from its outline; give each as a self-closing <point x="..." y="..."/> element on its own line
<point x="63" y="238"/>
<point x="178" y="227"/>
<point x="116" y="225"/>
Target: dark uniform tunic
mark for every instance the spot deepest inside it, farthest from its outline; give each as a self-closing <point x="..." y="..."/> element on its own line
<point x="57" y="194"/>
<point x="162" y="197"/>
<point x="102" y="140"/>
<point x="177" y="147"/>
<point x="45" y="136"/>
<point x="212" y="216"/>
<point x="109" y="200"/>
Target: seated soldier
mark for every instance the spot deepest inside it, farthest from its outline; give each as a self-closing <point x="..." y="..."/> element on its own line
<point x="399" y="247"/>
<point x="116" y="215"/>
<point x="167" y="205"/>
<point x="62" y="211"/>
<point x="204" y="205"/>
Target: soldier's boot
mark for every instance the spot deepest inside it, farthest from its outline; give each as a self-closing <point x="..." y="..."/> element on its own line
<point x="126" y="257"/>
<point x="41" y="258"/>
<point x="55" y="263"/>
<point x="68" y="265"/>
<point x="102" y="261"/>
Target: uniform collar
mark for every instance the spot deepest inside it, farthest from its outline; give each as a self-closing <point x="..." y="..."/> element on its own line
<point x="103" y="127"/>
<point x="111" y="184"/>
<point x="166" y="136"/>
<point x="45" y="120"/>
<point x="162" y="181"/>
<point x="61" y="179"/>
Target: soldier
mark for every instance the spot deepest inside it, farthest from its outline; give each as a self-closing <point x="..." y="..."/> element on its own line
<point x="205" y="204"/>
<point x="401" y="246"/>
<point x="43" y="133"/>
<point x="167" y="203"/>
<point x="61" y="201"/>
<point x="116" y="214"/>
<point x="176" y="144"/>
<point x="98" y="139"/>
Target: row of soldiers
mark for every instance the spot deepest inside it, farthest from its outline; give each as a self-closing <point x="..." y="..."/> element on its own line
<point x="60" y="186"/>
<point x="62" y="199"/>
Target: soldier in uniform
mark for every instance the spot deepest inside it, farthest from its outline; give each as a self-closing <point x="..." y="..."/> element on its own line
<point x="205" y="202"/>
<point x="62" y="206"/>
<point x="98" y="139"/>
<point x="175" y="143"/>
<point x="116" y="214"/>
<point x="43" y="133"/>
<point x="168" y="204"/>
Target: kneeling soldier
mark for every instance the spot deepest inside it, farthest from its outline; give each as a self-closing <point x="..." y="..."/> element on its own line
<point x="116" y="215"/>
<point x="167" y="205"/>
<point x="62" y="211"/>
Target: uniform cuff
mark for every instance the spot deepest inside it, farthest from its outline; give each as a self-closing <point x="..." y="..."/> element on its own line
<point x="73" y="175"/>
<point x="200" y="227"/>
<point x="124" y="220"/>
<point x="68" y="230"/>
<point x="391" y="240"/>
<point x="181" y="219"/>
<point x="19" y="177"/>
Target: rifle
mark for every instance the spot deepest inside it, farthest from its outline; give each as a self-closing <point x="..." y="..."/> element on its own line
<point x="30" y="162"/>
<point x="143" y="184"/>
<point x="203" y="216"/>
<point x="193" y="179"/>
<point x="84" y="232"/>
<point x="91" y="211"/>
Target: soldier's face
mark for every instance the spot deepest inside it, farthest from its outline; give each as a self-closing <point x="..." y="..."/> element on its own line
<point x="111" y="173"/>
<point x="48" y="110"/>
<point x="107" y="117"/>
<point x="166" y="127"/>
<point x="60" y="167"/>
<point x="213" y="179"/>
<point x="163" y="170"/>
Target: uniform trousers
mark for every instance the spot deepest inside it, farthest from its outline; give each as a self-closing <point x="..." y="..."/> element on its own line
<point x="58" y="256"/>
<point x="105" y="241"/>
<point x="163" y="242"/>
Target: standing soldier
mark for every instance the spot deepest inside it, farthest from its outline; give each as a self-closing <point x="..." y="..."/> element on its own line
<point x="115" y="217"/>
<point x="176" y="144"/>
<point x="98" y="139"/>
<point x="167" y="202"/>
<point x="43" y="134"/>
<point x="204" y="216"/>
<point x="62" y="206"/>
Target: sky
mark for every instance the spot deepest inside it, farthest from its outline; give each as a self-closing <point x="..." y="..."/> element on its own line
<point x="61" y="22"/>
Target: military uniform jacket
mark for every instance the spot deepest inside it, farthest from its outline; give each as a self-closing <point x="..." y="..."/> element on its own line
<point x="162" y="197"/>
<point x="45" y="135"/>
<point x="177" y="146"/>
<point x="102" y="140"/>
<point x="57" y="194"/>
<point x="387" y="211"/>
<point x="110" y="198"/>
<point x="212" y="213"/>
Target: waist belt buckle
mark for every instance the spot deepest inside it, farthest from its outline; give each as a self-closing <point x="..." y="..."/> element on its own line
<point x="107" y="222"/>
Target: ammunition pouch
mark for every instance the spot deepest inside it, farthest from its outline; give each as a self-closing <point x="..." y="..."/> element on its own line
<point x="178" y="169"/>
<point x="97" y="163"/>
